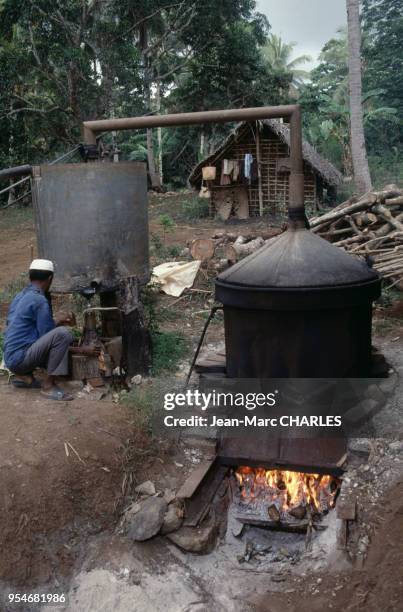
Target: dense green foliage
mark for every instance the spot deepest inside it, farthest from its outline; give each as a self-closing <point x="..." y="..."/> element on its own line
<point x="64" y="61"/>
<point x="325" y="98"/>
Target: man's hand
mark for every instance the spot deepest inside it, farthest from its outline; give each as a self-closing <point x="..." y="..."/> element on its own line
<point x="87" y="351"/>
<point x="66" y="318"/>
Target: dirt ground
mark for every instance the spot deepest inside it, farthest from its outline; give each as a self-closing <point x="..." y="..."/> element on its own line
<point x="64" y="470"/>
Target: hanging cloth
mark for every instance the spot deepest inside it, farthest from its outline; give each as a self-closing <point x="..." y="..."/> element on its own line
<point x="235" y="171"/>
<point x="247" y="165"/>
<point x="225" y="177"/>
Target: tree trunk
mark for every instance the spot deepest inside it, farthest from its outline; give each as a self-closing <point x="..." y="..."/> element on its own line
<point x="362" y="177"/>
<point x="201" y="150"/>
<point x="154" y="176"/>
<point x="159" y="134"/>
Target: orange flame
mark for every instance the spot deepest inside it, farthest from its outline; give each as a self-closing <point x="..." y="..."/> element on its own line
<point x="286" y="489"/>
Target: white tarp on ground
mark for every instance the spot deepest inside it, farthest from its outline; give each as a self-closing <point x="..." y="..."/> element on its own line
<point x="175" y="276"/>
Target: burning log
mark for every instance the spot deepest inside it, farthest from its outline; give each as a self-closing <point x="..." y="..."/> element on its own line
<point x="282" y="499"/>
<point x="299" y="512"/>
<point x="273" y="513"/>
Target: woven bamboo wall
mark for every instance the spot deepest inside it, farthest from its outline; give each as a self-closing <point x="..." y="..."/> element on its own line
<point x="275" y="185"/>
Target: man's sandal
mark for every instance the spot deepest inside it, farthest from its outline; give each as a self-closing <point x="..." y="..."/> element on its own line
<point x="57" y="394"/>
<point x="22" y="384"/>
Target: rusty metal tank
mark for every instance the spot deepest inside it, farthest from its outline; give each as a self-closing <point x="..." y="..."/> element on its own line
<point x="92" y="222"/>
<point x="299" y="307"/>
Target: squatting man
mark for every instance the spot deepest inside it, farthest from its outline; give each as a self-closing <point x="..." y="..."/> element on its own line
<point x="33" y="339"/>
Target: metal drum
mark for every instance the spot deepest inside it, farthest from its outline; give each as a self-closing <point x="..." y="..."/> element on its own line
<point x="92" y="222"/>
<point x="299" y="307"/>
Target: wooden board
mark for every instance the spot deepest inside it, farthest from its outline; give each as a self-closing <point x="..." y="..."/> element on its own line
<point x="241" y="205"/>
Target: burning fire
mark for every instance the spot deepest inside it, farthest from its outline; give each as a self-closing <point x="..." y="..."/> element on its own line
<point x="292" y="492"/>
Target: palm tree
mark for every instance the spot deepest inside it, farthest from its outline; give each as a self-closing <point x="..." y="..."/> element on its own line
<point x="362" y="177"/>
<point x="278" y="53"/>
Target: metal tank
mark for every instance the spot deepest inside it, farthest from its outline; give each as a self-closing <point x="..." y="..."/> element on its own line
<point x="299" y="307"/>
<point x="92" y="222"/>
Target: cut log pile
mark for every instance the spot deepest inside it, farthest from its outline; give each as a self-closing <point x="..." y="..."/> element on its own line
<point x="226" y="248"/>
<point x="370" y="227"/>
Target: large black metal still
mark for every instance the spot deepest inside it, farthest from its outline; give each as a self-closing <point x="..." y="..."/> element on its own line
<point x="298" y="307"/>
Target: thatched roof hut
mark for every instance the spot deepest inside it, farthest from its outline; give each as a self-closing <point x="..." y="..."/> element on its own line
<point x="270" y="148"/>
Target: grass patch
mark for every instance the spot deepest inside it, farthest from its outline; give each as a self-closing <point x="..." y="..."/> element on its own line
<point x="161" y="252"/>
<point x="146" y="401"/>
<point x="389" y="296"/>
<point x="141" y="401"/>
<point x="10" y="291"/>
<point x="194" y="207"/>
<point x="16" y="216"/>
<point x="382" y="325"/>
<point x="168" y="348"/>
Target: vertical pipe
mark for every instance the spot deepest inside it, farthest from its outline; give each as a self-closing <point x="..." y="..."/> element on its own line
<point x="296" y="210"/>
<point x="259" y="169"/>
<point x="88" y="135"/>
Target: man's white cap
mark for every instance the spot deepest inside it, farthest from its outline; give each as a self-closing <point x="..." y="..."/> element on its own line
<point x="42" y="264"/>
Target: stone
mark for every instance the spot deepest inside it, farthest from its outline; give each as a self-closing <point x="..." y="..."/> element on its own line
<point x="147" y="520"/>
<point x="195" y="539"/>
<point x="396" y="446"/>
<point x="137" y="379"/>
<point x="146" y="488"/>
<point x="173" y="519"/>
<point x="169" y="495"/>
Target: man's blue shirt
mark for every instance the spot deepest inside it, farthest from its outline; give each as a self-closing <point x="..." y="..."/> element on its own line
<point x="29" y="318"/>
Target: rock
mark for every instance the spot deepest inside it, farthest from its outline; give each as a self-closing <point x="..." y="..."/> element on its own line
<point x="137" y="379"/>
<point x="363" y="544"/>
<point x="278" y="578"/>
<point x="146" y="488"/>
<point x="146" y="521"/>
<point x="173" y="519"/>
<point x="397" y="446"/>
<point x="237" y="528"/>
<point x="169" y="495"/>
<point x="195" y="539"/>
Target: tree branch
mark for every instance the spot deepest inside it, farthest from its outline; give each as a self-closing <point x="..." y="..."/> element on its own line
<point x="144" y="19"/>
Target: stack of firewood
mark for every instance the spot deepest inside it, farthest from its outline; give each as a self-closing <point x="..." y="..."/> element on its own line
<point x="371" y="227"/>
<point x="226" y="248"/>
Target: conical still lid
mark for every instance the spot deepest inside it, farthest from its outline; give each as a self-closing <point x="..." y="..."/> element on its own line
<point x="297" y="262"/>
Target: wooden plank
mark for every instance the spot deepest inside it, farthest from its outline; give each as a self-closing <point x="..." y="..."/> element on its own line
<point x="257" y="521"/>
<point x="194" y="480"/>
<point x="198" y="506"/>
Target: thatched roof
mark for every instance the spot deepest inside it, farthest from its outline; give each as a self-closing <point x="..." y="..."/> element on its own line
<point x="319" y="164"/>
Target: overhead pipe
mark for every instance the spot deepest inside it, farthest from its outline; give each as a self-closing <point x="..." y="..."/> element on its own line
<point x="15" y="171"/>
<point x="296" y="211"/>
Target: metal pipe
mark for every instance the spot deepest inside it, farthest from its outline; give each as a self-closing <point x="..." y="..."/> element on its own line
<point x="23" y="180"/>
<point x="199" y="345"/>
<point x="291" y="112"/>
<point x="177" y="119"/>
<point x="15" y="171"/>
